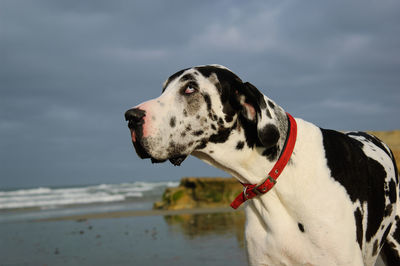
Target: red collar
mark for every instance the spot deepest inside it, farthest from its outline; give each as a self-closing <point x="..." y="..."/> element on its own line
<point x="250" y="191"/>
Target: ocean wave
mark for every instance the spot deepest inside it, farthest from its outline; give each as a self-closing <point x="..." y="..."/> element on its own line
<point x="45" y="197"/>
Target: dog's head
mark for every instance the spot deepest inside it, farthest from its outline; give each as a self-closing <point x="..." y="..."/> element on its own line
<point x="200" y="106"/>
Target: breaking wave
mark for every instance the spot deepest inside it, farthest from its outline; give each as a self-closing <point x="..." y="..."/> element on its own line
<point x="45" y="197"/>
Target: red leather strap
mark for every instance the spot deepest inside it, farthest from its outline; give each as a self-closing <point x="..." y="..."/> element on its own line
<point x="250" y="191"/>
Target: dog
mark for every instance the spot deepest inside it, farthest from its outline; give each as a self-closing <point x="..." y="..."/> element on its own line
<point x="336" y="201"/>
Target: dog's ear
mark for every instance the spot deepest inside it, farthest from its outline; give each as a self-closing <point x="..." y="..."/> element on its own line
<point x="254" y="109"/>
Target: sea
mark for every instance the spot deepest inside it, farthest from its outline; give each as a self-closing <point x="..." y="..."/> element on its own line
<point x="47" y="202"/>
<point x="32" y="233"/>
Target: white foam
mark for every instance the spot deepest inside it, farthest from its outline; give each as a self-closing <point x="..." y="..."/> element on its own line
<point x="44" y="197"/>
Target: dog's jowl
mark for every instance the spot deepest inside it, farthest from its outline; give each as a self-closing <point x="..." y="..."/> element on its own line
<point x="336" y="201"/>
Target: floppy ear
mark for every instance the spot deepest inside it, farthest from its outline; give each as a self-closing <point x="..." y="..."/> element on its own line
<point x="254" y="109"/>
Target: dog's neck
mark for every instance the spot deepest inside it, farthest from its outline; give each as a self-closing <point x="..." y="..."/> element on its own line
<point x="249" y="165"/>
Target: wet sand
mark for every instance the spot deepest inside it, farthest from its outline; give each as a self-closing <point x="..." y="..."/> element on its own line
<point x="136" y="213"/>
<point x="186" y="237"/>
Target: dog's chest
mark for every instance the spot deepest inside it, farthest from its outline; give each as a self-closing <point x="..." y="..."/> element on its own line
<point x="305" y="220"/>
<point x="304" y="237"/>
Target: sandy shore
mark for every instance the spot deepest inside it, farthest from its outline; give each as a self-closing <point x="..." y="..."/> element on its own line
<point x="193" y="237"/>
<point x="135" y="213"/>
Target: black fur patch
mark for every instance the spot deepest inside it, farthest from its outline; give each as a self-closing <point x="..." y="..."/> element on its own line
<point x="301" y="227"/>
<point x="197" y="133"/>
<point x="392" y="191"/>
<point x="212" y="116"/>
<point x="224" y="75"/>
<point x="268" y="113"/>
<point x="271" y="104"/>
<point x="240" y="145"/>
<point x="202" y="145"/>
<point x="361" y="176"/>
<point x="227" y="85"/>
<point x="269" y="135"/>
<point x="172" y="122"/>
<point x="359" y="226"/>
<point x="271" y="153"/>
<point x="228" y="118"/>
<point x="174" y="76"/>
<point x="384" y="236"/>
<point x="250" y="132"/>
<point x="222" y="135"/>
<point x="389" y="254"/>
<point x="187" y="77"/>
<point x="388" y="210"/>
<point x="375" y="250"/>
<point x="207" y="99"/>
<point x="396" y="233"/>
<point x="175" y="149"/>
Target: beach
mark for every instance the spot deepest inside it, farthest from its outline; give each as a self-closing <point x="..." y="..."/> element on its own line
<point x="115" y="224"/>
<point x="109" y="231"/>
<point x="127" y="238"/>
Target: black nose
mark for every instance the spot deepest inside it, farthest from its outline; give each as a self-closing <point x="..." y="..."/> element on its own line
<point x="135" y="116"/>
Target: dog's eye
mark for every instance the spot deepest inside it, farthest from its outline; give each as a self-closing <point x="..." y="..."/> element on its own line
<point x="189" y="90"/>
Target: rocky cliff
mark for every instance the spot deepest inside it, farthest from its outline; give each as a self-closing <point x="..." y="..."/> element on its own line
<point x="198" y="192"/>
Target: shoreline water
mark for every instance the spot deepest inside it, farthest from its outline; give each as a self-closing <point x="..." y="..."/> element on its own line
<point x="136" y="213"/>
<point x="131" y="237"/>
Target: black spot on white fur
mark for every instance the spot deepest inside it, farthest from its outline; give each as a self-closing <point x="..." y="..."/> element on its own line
<point x="187" y="77"/>
<point x="207" y="99"/>
<point x="171" y="78"/>
<point x="392" y="191"/>
<point x="271" y="104"/>
<point x="198" y="133"/>
<point x="359" y="226"/>
<point x="240" y="145"/>
<point x="301" y="227"/>
<point x="375" y="249"/>
<point x="172" y="121"/>
<point x="269" y="135"/>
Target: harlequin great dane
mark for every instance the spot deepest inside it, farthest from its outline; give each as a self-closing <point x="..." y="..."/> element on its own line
<point x="336" y="201"/>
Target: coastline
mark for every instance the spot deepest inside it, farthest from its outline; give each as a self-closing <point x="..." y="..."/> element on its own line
<point x="136" y="213"/>
<point x="211" y="236"/>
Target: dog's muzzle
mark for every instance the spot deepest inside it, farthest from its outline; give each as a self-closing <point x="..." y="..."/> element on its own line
<point x="135" y="120"/>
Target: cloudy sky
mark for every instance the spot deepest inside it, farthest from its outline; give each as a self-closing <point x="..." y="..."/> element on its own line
<point x="70" y="69"/>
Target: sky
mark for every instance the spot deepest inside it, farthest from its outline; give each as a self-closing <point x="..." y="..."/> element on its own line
<point x="70" y="69"/>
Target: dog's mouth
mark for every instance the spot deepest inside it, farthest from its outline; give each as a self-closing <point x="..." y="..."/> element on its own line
<point x="143" y="154"/>
<point x="177" y="160"/>
<point x="136" y="135"/>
